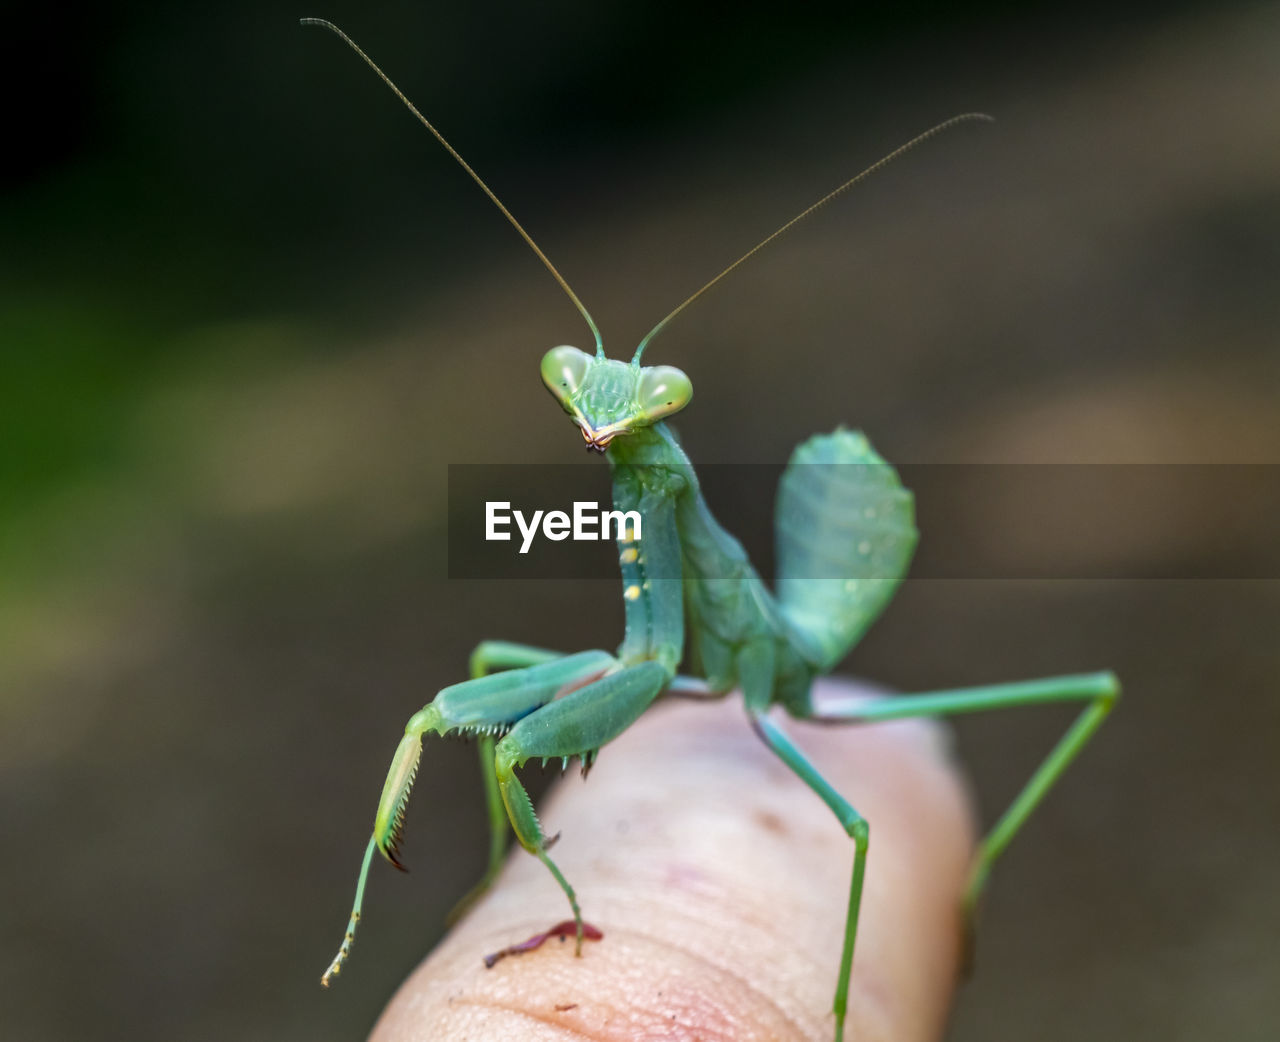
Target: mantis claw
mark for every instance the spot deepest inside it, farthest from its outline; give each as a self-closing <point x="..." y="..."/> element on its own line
<point x="388" y="833"/>
<point x="388" y="826"/>
<point x="349" y="938"/>
<point x="335" y="967"/>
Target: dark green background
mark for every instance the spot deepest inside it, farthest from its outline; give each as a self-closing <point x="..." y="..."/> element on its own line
<point x="249" y="313"/>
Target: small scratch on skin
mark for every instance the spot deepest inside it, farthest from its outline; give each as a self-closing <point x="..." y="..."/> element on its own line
<point x="571" y="1031"/>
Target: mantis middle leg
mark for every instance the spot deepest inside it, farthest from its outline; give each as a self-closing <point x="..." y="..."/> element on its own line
<point x="757" y="672"/>
<point x="854" y="824"/>
<point x="491" y="656"/>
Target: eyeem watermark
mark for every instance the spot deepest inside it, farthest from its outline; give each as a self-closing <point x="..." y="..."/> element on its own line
<point x="588" y="524"/>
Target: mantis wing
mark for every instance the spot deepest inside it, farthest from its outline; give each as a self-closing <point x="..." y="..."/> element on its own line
<point x="846" y="532"/>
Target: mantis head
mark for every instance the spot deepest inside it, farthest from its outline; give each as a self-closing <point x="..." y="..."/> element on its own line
<point x="603" y="397"/>
<point x="607" y="398"/>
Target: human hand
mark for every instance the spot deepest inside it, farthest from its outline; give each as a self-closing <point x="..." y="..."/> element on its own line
<point x="720" y="882"/>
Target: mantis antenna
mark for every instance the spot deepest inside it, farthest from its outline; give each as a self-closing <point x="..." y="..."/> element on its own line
<point x="878" y="165"/>
<point x="465" y="166"/>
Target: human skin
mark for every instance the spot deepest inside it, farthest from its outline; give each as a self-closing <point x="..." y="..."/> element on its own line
<point x="720" y="882"/>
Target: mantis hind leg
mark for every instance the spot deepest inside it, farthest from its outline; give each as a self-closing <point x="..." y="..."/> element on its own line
<point x="1099" y="690"/>
<point x="576" y="725"/>
<point x="482" y="708"/>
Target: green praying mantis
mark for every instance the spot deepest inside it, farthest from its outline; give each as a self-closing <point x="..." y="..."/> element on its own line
<point x="845" y="536"/>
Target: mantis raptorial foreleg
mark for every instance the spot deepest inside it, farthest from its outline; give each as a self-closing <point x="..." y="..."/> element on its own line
<point x="492" y="656"/>
<point x="479" y="707"/>
<point x="575" y="725"/>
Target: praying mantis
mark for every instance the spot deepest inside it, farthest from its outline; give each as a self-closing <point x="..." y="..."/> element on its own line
<point x="845" y="537"/>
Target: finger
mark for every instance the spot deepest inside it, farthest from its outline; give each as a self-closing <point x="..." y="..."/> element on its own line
<point x="720" y="882"/>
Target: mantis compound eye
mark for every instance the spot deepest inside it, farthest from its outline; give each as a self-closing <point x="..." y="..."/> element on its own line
<point x="663" y="390"/>
<point x="563" y="370"/>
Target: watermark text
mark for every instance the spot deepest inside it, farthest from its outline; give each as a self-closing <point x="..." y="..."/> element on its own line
<point x="588" y="523"/>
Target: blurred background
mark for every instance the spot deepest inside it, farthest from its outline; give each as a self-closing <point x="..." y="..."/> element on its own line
<point x="249" y="313"/>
